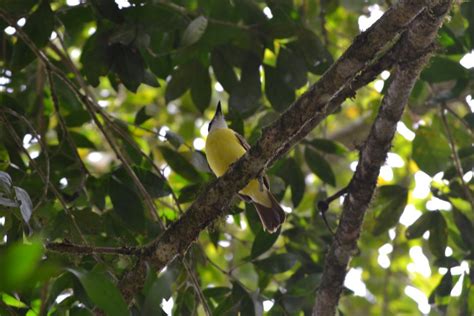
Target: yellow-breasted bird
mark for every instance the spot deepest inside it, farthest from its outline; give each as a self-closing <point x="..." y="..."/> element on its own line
<point x="223" y="147"/>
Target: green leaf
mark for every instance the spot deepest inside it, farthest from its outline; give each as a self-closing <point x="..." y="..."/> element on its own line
<point x="252" y="219"/>
<point x="277" y="263"/>
<point x="17" y="7"/>
<point x="223" y="70"/>
<point x="18" y="263"/>
<point x="469" y="118"/>
<point x="81" y="140"/>
<point x="189" y="193"/>
<point x="228" y="306"/>
<point x="179" y="164"/>
<point x="465" y="227"/>
<point x="126" y="203"/>
<point x="216" y="292"/>
<point x="388" y="206"/>
<point x="292" y="68"/>
<point x="77" y="118"/>
<point x="161" y="289"/>
<point x="438" y="234"/>
<point x="201" y="87"/>
<point x="169" y="18"/>
<point x="155" y="185"/>
<point x="194" y="31"/>
<point x="305" y="286"/>
<point x="128" y="63"/>
<point x="245" y="96"/>
<point x="262" y="242"/>
<point x="291" y="173"/>
<point x="175" y="139"/>
<point x="13" y="301"/>
<point x="420" y="226"/>
<point x="446" y="262"/>
<point x="141" y="116"/>
<point x="431" y="156"/>
<point x="124" y="35"/>
<point x="150" y="79"/>
<point x="443" y="69"/>
<point x="108" y="9"/>
<point x="319" y="166"/>
<point x="26" y="206"/>
<point x="5" y="183"/>
<point x="317" y="58"/>
<point x="181" y="80"/>
<point x="467" y="10"/>
<point x="445" y="285"/>
<point x="328" y="146"/>
<point x="101" y="291"/>
<point x="94" y="57"/>
<point x="39" y="26"/>
<point x="277" y="90"/>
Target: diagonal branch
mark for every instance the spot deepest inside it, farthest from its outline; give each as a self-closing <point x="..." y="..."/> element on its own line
<point x="417" y="44"/>
<point x="314" y="103"/>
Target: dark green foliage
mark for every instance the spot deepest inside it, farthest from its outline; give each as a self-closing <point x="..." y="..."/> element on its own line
<point x="155" y="69"/>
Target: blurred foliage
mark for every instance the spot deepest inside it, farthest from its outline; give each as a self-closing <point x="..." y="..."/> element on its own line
<point x="157" y="69"/>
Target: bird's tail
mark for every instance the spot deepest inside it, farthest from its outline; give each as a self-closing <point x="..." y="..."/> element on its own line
<point x="271" y="217"/>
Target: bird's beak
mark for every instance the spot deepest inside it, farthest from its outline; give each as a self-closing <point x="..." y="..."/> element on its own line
<point x="218" y="110"/>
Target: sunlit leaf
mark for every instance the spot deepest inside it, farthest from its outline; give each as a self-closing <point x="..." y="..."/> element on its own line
<point x="18" y="263"/>
<point x="432" y="157"/>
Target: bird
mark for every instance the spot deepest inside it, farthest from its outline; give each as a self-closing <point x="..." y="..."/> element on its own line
<point x="223" y="147"/>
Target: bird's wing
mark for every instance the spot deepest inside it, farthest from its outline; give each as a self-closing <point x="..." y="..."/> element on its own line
<point x="242" y="141"/>
<point x="245" y="144"/>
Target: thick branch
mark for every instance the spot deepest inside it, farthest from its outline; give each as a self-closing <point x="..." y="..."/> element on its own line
<point x="314" y="103"/>
<point x="417" y="44"/>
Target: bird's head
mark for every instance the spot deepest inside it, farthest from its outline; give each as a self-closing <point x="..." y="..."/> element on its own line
<point x="218" y="121"/>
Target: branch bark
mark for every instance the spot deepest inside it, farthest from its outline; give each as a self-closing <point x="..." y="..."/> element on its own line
<point x="276" y="140"/>
<point x="416" y="45"/>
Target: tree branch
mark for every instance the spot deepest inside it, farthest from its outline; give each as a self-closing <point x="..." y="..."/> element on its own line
<point x="66" y="247"/>
<point x="417" y="45"/>
<point x="314" y="103"/>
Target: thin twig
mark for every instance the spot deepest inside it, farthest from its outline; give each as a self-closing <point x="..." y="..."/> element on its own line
<point x="51" y="186"/>
<point x="44" y="150"/>
<point x="66" y="135"/>
<point x="459" y="118"/>
<point x="457" y="161"/>
<point x="324" y="31"/>
<point x="197" y="287"/>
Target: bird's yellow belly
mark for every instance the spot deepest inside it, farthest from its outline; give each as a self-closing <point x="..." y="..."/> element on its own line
<point x="222" y="149"/>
